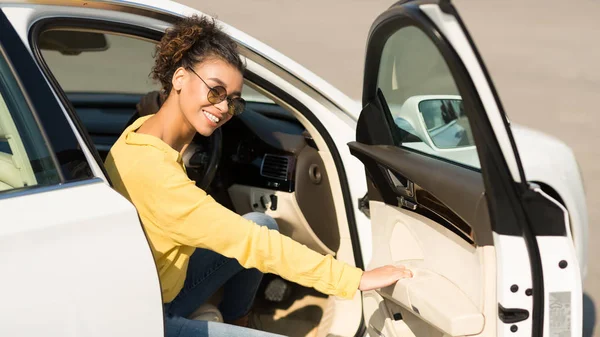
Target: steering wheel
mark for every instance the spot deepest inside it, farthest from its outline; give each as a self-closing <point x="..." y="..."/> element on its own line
<point x="201" y="157"/>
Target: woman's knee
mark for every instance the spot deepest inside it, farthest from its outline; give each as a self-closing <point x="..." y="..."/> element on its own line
<point x="262" y="219"/>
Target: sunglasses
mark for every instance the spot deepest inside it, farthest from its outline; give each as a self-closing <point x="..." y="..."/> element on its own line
<point x="218" y="94"/>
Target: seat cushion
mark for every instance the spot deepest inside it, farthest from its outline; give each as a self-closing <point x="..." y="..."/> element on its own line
<point x="10" y="175"/>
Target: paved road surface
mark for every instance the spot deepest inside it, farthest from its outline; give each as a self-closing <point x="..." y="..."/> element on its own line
<point x="543" y="57"/>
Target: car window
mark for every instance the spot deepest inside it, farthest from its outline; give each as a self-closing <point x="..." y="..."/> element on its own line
<point x="105" y="62"/>
<point x="423" y="99"/>
<point x="251" y="95"/>
<point x="114" y="64"/>
<point x="24" y="156"/>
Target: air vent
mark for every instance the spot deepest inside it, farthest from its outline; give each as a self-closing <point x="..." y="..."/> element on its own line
<point x="275" y="167"/>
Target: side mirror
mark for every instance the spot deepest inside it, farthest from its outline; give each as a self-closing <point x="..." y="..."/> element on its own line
<point x="68" y="42"/>
<point x="446" y="123"/>
<point x="438" y="120"/>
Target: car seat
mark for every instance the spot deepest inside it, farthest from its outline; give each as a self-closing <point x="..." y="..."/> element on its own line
<point x="10" y="174"/>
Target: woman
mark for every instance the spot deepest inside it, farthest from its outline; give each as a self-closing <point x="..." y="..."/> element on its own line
<point x="199" y="245"/>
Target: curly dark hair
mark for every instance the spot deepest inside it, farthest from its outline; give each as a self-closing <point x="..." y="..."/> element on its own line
<point x="190" y="41"/>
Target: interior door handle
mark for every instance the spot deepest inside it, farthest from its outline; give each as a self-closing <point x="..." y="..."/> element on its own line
<point x="405" y="189"/>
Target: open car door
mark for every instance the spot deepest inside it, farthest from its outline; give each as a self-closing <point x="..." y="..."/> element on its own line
<point x="491" y="253"/>
<point x="75" y="260"/>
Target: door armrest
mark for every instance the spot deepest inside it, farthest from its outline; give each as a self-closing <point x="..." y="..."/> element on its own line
<point x="438" y="301"/>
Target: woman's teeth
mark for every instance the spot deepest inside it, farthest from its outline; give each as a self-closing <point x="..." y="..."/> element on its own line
<point x="213" y="118"/>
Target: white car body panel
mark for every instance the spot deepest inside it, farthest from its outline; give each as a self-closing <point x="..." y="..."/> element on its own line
<point x="563" y="297"/>
<point x="69" y="265"/>
<point x="550" y="161"/>
<point x="512" y="248"/>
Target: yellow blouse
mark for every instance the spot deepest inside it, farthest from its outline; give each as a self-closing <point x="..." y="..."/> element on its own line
<point x="178" y="217"/>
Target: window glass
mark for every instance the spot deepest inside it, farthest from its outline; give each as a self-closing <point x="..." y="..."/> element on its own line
<point x="251" y="95"/>
<point x="423" y="99"/>
<point x="104" y="62"/>
<point x="113" y="64"/>
<point x="24" y="156"/>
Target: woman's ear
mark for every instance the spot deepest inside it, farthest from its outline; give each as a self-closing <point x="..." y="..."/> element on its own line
<point x="178" y="78"/>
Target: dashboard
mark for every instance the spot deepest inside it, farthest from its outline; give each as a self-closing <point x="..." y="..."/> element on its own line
<point x="261" y="146"/>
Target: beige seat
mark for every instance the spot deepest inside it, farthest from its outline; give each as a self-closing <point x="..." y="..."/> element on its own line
<point x="10" y="175"/>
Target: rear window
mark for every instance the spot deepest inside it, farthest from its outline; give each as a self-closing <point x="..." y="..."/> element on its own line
<point x="117" y="64"/>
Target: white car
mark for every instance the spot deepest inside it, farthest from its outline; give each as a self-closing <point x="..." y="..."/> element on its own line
<point x="496" y="240"/>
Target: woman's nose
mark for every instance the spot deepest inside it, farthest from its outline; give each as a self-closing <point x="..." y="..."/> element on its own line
<point x="223" y="106"/>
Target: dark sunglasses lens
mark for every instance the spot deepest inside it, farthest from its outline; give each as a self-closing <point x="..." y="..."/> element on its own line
<point x="217" y="95"/>
<point x="237" y="106"/>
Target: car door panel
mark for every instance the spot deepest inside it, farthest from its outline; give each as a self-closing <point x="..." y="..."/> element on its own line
<point x="75" y="257"/>
<point x="432" y="186"/>
<point x="425" y="200"/>
<point x="448" y="267"/>
<point x="431" y="252"/>
<point x="74" y="268"/>
<point x="439" y="302"/>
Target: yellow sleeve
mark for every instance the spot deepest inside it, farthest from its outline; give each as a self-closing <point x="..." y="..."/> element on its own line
<point x="191" y="217"/>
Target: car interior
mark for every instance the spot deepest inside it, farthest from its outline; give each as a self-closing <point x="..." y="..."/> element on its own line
<point x="267" y="160"/>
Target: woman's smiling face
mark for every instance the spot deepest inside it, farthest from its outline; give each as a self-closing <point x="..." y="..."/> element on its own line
<point x="201" y="114"/>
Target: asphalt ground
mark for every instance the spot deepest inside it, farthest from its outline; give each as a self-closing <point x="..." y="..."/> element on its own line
<point x="542" y="55"/>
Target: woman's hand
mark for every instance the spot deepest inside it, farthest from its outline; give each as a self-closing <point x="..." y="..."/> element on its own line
<point x="382" y="277"/>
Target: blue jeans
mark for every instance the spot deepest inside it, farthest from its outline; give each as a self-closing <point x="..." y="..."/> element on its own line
<point x="207" y="272"/>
